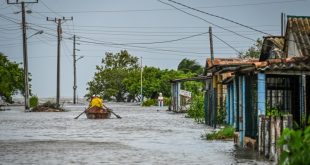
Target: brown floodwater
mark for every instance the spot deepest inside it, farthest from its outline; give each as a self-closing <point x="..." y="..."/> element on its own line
<point x="142" y="136"/>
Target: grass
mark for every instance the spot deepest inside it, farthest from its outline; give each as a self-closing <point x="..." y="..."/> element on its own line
<point x="225" y="133"/>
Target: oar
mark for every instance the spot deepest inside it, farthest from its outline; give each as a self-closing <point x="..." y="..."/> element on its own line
<point x="110" y="110"/>
<point x="81" y="114"/>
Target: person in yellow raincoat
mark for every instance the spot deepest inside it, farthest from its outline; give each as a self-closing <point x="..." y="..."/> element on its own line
<point x="96" y="104"/>
<point x="95" y="101"/>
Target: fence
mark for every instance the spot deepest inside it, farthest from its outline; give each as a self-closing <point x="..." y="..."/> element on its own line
<point x="270" y="129"/>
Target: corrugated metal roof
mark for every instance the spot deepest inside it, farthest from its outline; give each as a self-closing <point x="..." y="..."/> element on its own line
<point x="229" y="62"/>
<point x="297" y="35"/>
<point x="272" y="48"/>
<point x="288" y="64"/>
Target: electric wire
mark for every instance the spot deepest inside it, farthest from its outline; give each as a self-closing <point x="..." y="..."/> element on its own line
<point x="152" y="10"/>
<point x="207" y="21"/>
<point x="223" y="18"/>
<point x="227" y="44"/>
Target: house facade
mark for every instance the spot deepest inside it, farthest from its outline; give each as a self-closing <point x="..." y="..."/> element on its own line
<point x="275" y="85"/>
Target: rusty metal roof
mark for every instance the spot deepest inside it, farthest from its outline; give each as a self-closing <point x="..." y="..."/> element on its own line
<point x="228" y="62"/>
<point x="298" y="33"/>
<point x="272" y="48"/>
<point x="287" y="64"/>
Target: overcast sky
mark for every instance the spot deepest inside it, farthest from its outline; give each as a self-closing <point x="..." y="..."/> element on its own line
<point x="113" y="25"/>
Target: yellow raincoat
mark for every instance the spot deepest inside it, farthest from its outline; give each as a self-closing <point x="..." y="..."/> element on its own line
<point x="96" y="101"/>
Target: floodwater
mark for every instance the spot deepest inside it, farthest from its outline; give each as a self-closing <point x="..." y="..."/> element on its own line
<point x="142" y="136"/>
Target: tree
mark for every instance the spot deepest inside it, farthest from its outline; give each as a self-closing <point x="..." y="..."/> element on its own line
<point x="187" y="65"/>
<point x="11" y="79"/>
<point x="109" y="79"/>
<point x="253" y="51"/>
<point x="119" y="77"/>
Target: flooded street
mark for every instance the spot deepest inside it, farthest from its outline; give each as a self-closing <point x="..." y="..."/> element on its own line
<point x="142" y="136"/>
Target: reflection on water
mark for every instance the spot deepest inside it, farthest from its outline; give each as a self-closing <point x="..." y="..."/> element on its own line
<point x="142" y="136"/>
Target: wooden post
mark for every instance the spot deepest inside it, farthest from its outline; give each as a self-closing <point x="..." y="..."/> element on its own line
<point x="243" y="109"/>
<point x="272" y="139"/>
<point x="267" y="136"/>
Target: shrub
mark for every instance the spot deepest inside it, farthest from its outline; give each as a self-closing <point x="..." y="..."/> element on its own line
<point x="225" y="133"/>
<point x="33" y="101"/>
<point x="167" y="101"/>
<point x="296" y="146"/>
<point x="196" y="109"/>
<point x="221" y="114"/>
<point x="149" y="102"/>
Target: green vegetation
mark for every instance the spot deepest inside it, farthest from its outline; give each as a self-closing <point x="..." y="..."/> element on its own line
<point x="254" y="51"/>
<point x="190" y="66"/>
<point x="221" y="114"/>
<point x="109" y="78"/>
<point x="119" y="78"/>
<point x="149" y="102"/>
<point x="167" y="101"/>
<point x="33" y="101"/>
<point x="11" y="79"/>
<point x="225" y="133"/>
<point x="275" y="112"/>
<point x="296" y="146"/>
<point x="196" y="109"/>
<point x="47" y="107"/>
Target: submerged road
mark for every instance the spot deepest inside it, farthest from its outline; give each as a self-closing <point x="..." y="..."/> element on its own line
<point x="142" y="136"/>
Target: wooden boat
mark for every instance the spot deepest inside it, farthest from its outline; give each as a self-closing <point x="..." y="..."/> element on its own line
<point x="97" y="113"/>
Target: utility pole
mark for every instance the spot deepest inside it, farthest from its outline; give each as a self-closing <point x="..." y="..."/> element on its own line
<point x="74" y="72"/>
<point x="59" y="32"/>
<point x="25" y="56"/>
<point x="211" y="44"/>
<point x="74" y="68"/>
<point x="141" y="81"/>
<point x="213" y="89"/>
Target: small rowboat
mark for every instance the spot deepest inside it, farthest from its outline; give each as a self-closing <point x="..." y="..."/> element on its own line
<point x="97" y="113"/>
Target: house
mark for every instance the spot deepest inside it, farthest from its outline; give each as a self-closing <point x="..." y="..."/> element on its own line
<point x="254" y="91"/>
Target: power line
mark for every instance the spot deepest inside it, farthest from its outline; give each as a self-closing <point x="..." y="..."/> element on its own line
<point x="50" y="9"/>
<point x="9" y="19"/>
<point x="223" y="18"/>
<point x="152" y="10"/>
<point x="160" y="42"/>
<point x="141" y="47"/>
<point x="227" y="44"/>
<point x="207" y="21"/>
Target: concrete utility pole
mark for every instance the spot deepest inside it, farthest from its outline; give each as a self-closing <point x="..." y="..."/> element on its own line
<point x="74" y="72"/>
<point x="25" y="56"/>
<point x="213" y="89"/>
<point x="74" y="69"/>
<point x="211" y="44"/>
<point x="59" y="32"/>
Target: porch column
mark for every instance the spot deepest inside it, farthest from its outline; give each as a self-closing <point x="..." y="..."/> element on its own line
<point x="261" y="107"/>
<point x="227" y="105"/>
<point x="261" y="93"/>
<point x="173" y="95"/>
<point x="207" y="99"/>
<point x="231" y="103"/>
<point x="178" y="88"/>
<point x="241" y="109"/>
<point x="235" y="104"/>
